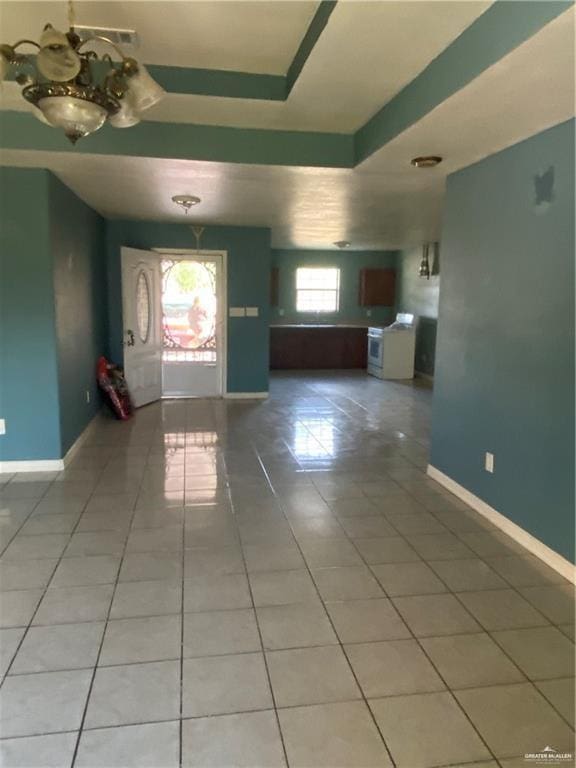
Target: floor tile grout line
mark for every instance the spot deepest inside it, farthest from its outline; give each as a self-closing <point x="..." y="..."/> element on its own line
<point x="482" y="558"/>
<point x="490" y="529"/>
<point x="211" y="717"/>
<point x="29" y="625"/>
<point x="263" y="651"/>
<point x="422" y="649"/>
<point x="182" y="598"/>
<point x="569" y="722"/>
<point x="24" y="521"/>
<point x="447" y="687"/>
<point x="101" y="645"/>
<point x="527" y="679"/>
<point x="339" y="642"/>
<point x="490" y="632"/>
<point x="452" y="532"/>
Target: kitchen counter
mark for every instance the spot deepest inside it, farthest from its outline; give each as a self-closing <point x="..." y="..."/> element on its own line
<point x="327" y="325"/>
<point x="309" y="346"/>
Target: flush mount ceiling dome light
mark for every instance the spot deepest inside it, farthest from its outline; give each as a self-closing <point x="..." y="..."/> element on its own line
<point x="186" y="201"/>
<point x="342" y="244"/>
<point x="427" y="161"/>
<point x="75" y="89"/>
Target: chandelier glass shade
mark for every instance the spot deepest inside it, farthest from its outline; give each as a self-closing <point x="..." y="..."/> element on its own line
<point x="73" y="88"/>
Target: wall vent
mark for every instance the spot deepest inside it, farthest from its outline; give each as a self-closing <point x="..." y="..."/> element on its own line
<point x="125" y="38"/>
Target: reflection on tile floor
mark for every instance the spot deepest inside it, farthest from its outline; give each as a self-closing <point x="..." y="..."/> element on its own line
<point x="221" y="583"/>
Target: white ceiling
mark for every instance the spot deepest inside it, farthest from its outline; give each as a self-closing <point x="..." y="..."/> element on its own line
<point x="384" y="203"/>
<point x="237" y="35"/>
<point x="305" y="207"/>
<point x="524" y="93"/>
<point x="367" y="53"/>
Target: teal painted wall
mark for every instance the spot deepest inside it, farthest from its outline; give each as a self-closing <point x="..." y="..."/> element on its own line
<point x="420" y="297"/>
<point x="505" y="355"/>
<point x="78" y="245"/>
<point x="28" y="367"/>
<point x="350" y="263"/>
<point x="52" y="314"/>
<point x="248" y="285"/>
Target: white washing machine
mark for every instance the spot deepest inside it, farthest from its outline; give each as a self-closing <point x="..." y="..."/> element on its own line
<point x="391" y="349"/>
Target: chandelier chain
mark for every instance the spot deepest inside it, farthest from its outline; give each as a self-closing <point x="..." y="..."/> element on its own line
<point x="71" y="14"/>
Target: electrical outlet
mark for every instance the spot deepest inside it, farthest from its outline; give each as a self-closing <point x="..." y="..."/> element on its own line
<point x="368" y="313"/>
<point x="281" y="312"/>
<point x="87" y="395"/>
<point x="489" y="462"/>
<point x="2" y="426"/>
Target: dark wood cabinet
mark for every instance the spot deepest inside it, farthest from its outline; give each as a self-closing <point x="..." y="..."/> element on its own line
<point x="309" y="348"/>
<point x="377" y="288"/>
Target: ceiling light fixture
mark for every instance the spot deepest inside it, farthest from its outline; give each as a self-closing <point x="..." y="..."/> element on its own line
<point x="73" y="87"/>
<point x="427" y="161"/>
<point x="186" y="201"/>
<point x="342" y="244"/>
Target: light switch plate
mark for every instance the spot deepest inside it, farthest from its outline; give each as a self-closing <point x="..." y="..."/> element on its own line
<point x="237" y="311"/>
<point x="251" y="311"/>
<point x="2" y="426"/>
<point x="489" y="462"/>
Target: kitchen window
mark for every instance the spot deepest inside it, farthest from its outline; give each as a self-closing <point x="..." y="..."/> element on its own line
<point x="317" y="289"/>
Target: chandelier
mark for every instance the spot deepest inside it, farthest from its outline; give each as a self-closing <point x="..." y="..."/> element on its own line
<point x="73" y="88"/>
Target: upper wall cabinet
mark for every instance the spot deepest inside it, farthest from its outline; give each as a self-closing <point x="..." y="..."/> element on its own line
<point x="377" y="287"/>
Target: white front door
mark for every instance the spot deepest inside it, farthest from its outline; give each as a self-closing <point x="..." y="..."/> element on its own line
<point x="193" y="308"/>
<point x="141" y="286"/>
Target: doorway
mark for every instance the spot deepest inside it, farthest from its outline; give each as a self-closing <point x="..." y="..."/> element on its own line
<point x="174" y="307"/>
<point x="193" y="341"/>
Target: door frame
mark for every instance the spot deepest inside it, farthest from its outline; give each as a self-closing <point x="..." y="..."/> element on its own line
<point x="189" y="254"/>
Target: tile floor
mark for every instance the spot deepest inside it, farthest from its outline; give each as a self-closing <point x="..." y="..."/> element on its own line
<point x="267" y="584"/>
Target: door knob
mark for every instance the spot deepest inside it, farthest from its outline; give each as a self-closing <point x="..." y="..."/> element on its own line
<point x="131" y="341"/>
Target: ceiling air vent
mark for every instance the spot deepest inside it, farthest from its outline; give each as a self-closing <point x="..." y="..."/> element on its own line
<point x="125" y="38"/>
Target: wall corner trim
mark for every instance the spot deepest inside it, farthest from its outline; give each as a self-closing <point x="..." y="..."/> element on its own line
<point x="522" y="537"/>
<point x="246" y="395"/>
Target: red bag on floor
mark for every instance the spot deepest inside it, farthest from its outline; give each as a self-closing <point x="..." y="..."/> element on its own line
<point x="111" y="381"/>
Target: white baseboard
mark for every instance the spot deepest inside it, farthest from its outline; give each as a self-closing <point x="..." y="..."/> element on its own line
<point x="531" y="543"/>
<point x="49" y="465"/>
<point x="246" y="395"/>
<point x="41" y="465"/>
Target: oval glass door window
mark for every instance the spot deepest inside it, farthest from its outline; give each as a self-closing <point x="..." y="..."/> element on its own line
<point x="143" y="308"/>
